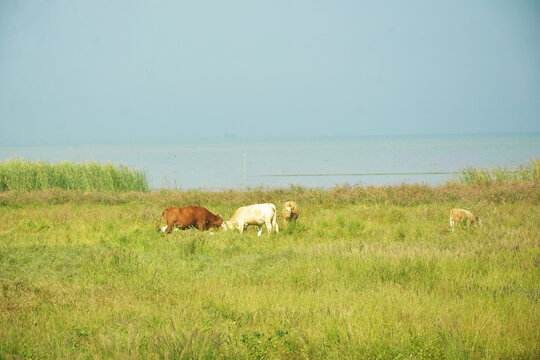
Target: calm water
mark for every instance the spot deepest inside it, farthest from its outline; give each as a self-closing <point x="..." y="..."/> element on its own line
<point x="316" y="162"/>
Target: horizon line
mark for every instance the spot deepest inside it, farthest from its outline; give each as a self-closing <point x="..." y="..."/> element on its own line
<point x="228" y="137"/>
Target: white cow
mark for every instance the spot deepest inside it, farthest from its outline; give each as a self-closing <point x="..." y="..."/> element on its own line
<point x="257" y="214"/>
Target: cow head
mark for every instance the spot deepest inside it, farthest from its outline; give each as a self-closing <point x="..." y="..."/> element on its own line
<point x="218" y="221"/>
<point x="227" y="225"/>
<point x="214" y="222"/>
<point x="287" y="211"/>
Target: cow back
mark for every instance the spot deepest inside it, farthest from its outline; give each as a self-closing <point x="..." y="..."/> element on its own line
<point x="187" y="216"/>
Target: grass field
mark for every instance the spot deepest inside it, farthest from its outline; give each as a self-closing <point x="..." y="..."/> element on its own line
<point x="368" y="273"/>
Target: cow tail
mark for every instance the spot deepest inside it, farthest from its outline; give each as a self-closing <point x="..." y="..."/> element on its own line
<point x="274" y="221"/>
<point x="159" y="222"/>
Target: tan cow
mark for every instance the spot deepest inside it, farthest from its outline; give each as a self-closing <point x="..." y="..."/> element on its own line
<point x="257" y="214"/>
<point x="290" y="212"/>
<point x="461" y="215"/>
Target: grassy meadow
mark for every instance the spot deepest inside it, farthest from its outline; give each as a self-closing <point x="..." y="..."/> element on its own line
<point x="368" y="273"/>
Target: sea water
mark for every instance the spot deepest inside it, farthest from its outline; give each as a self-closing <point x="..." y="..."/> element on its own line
<point x="313" y="162"/>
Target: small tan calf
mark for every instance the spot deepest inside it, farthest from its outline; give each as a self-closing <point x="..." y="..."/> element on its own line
<point x="459" y="215"/>
<point x="290" y="212"/>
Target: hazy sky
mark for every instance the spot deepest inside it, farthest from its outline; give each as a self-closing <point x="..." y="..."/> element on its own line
<point x="111" y="70"/>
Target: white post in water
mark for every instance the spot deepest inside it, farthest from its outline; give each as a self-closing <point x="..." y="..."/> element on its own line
<point x="244" y="166"/>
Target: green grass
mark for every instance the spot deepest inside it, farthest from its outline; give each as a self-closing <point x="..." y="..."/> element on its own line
<point x="529" y="173"/>
<point x="21" y="175"/>
<point x="368" y="273"/>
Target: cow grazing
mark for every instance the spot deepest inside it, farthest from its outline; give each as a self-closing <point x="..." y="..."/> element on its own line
<point x="188" y="216"/>
<point x="290" y="212"/>
<point x="461" y="215"/>
<point x="258" y="214"/>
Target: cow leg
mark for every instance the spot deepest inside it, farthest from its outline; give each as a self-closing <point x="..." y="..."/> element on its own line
<point x="241" y="227"/>
<point x="268" y="226"/>
<point x="200" y="225"/>
<point x="452" y="224"/>
<point x="260" y="231"/>
<point x="169" y="228"/>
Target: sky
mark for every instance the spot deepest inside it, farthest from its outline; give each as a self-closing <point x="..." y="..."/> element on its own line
<point x="128" y="70"/>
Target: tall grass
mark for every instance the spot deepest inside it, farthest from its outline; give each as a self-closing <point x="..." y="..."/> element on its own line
<point x="370" y="273"/>
<point x="404" y="195"/>
<point x="21" y="175"/>
<point x="529" y="173"/>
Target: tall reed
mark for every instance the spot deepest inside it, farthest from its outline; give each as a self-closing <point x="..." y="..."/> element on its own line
<point x="22" y="175"/>
<point x="529" y="173"/>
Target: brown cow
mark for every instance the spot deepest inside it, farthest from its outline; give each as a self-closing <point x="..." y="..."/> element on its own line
<point x="187" y="216"/>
